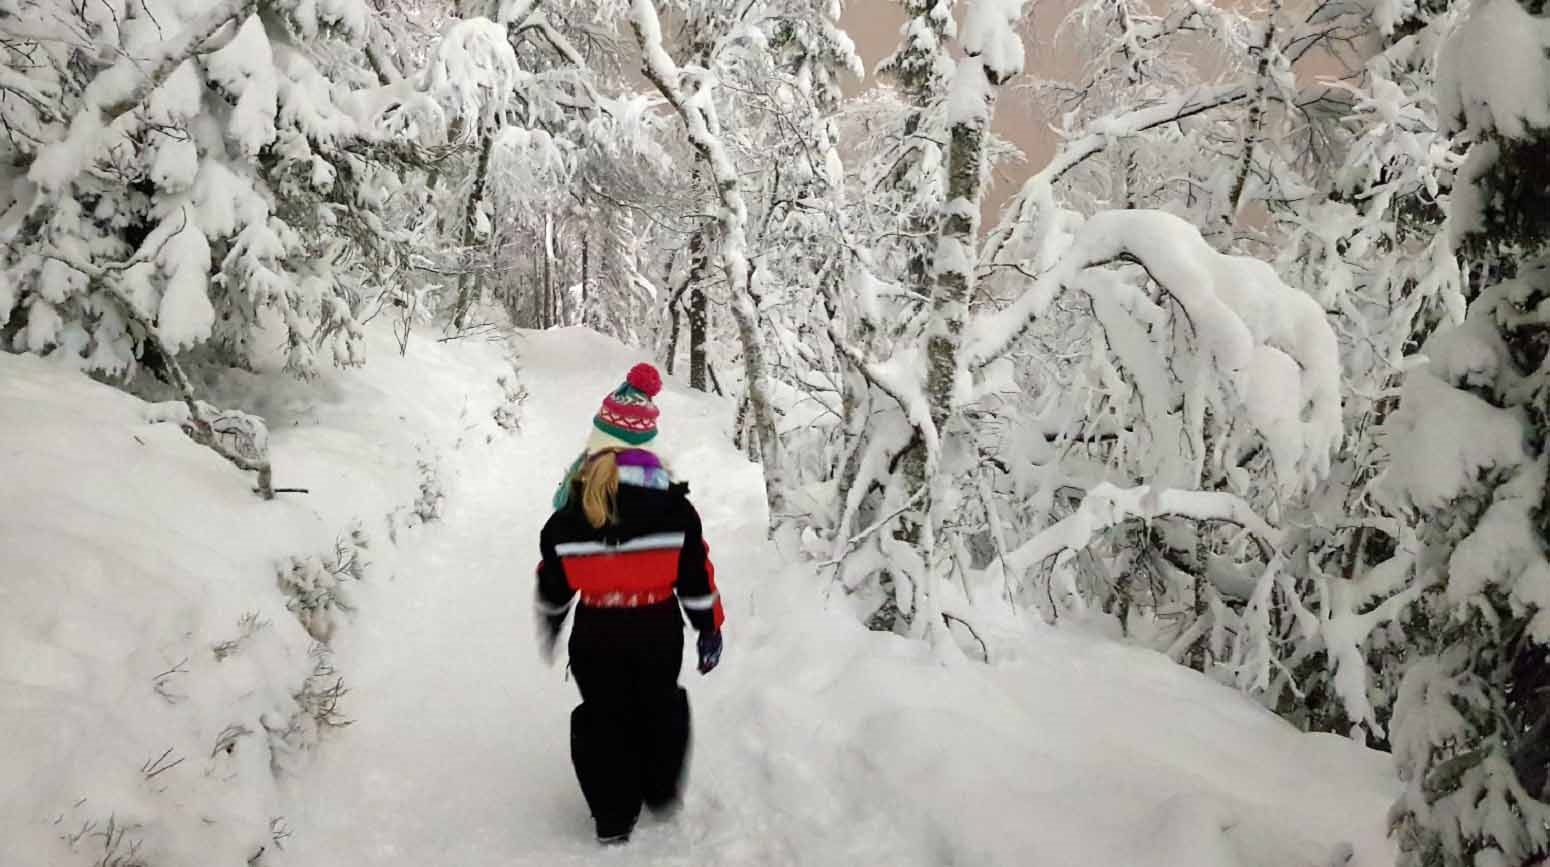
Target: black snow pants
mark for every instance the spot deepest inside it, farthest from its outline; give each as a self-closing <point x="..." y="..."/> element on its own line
<point x="630" y="734"/>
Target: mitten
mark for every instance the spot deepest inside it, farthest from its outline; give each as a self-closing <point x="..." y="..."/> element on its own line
<point x="710" y="650"/>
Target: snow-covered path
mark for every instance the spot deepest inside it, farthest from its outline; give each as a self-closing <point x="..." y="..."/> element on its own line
<point x="457" y="725"/>
<point x="816" y="742"/>
<point x="458" y="754"/>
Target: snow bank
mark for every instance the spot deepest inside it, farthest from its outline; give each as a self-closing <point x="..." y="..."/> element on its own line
<point x="1071" y="751"/>
<point x="155" y="683"/>
<point x="817" y="742"/>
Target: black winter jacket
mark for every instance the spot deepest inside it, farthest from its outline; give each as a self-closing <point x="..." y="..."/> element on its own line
<point x="654" y="553"/>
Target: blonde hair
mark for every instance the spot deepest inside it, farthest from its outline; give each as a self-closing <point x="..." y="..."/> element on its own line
<point x="599" y="477"/>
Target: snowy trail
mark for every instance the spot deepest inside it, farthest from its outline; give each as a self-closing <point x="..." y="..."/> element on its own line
<point x="459" y="749"/>
<point x="816" y="742"/>
<point x="455" y="729"/>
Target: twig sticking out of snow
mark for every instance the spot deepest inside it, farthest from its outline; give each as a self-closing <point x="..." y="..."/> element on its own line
<point x="160" y="765"/>
<point x="117" y="849"/>
<point x="950" y="619"/>
<point x="162" y="682"/>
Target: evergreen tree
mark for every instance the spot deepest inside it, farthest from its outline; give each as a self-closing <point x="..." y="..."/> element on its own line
<point x="1469" y="447"/>
<point x="211" y="185"/>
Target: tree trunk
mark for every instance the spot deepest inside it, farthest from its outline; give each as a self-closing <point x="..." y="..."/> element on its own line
<point x="672" y="339"/>
<point x="1255" y="120"/>
<point x="698" y="316"/>
<point x="703" y="128"/>
<point x="973" y="99"/>
<point x="548" y="318"/>
<point x="469" y="283"/>
<point x="586" y="250"/>
<point x="698" y="262"/>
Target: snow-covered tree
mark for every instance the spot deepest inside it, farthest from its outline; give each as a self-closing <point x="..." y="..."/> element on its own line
<point x="1335" y="183"/>
<point x="1469" y="445"/>
<point x="921" y="67"/>
<point x="1367" y="243"/>
<point x="221" y="179"/>
<point x="903" y="188"/>
<point x="691" y="92"/>
<point x="196" y="177"/>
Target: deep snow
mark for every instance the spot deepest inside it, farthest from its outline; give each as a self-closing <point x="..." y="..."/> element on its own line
<point x="148" y="662"/>
<point x="817" y="742"/>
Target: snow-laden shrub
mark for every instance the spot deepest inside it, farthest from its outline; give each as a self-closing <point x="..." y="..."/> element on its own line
<point x="432" y="495"/>
<point x="316" y="711"/>
<point x="316" y="587"/>
<point x="508" y="414"/>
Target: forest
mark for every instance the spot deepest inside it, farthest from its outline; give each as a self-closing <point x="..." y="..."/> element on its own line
<point x="1252" y="372"/>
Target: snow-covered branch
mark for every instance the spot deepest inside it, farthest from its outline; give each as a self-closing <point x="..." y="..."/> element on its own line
<point x="1107" y="506"/>
<point x="109" y="276"/>
<point x="1256" y="118"/>
<point x="904" y="391"/>
<point x="1268" y="343"/>
<point x="1023" y="210"/>
<point x="123" y="86"/>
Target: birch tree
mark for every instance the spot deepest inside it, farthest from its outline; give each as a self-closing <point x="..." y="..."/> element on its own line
<point x="691" y="94"/>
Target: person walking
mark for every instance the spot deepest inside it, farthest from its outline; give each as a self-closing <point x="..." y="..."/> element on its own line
<point x="625" y="549"/>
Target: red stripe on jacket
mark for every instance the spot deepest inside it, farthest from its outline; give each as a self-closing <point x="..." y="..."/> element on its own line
<point x="630" y="579"/>
<point x="627" y="572"/>
<point x="710" y="578"/>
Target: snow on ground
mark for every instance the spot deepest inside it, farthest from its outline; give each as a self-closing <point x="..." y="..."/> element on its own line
<point x="816" y="741"/>
<point x="149" y="664"/>
<point x="128" y="550"/>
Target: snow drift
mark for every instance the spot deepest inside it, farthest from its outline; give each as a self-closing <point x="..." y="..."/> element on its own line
<point x="145" y="705"/>
<point x="160" y="669"/>
<point x="817" y="742"/>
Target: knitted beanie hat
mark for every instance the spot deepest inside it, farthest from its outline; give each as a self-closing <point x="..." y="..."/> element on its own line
<point x="628" y="415"/>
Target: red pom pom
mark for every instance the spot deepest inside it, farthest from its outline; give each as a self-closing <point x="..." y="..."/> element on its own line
<point x="645" y="379"/>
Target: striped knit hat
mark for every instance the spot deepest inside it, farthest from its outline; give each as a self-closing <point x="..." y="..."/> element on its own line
<point x="628" y="417"/>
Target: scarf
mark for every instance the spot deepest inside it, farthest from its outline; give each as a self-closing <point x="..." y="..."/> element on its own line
<point x="637" y="467"/>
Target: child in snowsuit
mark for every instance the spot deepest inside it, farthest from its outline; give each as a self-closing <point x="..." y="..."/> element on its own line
<point x="624" y="546"/>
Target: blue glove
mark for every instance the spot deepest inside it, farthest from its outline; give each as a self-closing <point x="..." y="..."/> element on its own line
<point x="710" y="650"/>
